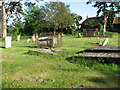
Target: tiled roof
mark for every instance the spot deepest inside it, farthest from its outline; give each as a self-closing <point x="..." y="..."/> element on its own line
<point x="116" y="20"/>
<point x="93" y="18"/>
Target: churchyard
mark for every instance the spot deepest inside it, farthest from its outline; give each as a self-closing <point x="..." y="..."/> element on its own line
<point x="50" y="45"/>
<point x="24" y="69"/>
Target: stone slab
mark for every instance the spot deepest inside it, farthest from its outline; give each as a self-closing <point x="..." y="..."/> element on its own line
<point x="101" y="55"/>
<point x="50" y="51"/>
<point x="104" y="49"/>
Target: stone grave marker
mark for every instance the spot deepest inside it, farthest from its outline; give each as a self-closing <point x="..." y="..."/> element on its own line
<point x="36" y="35"/>
<point x="59" y="36"/>
<point x="47" y="41"/>
<point x="28" y="40"/>
<point x="79" y="35"/>
<point x="105" y="42"/>
<point x="7" y="42"/>
<point x="18" y="37"/>
<point x="33" y="38"/>
<point x="98" y="41"/>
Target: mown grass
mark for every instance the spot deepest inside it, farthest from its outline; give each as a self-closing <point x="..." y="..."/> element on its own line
<point x="22" y="70"/>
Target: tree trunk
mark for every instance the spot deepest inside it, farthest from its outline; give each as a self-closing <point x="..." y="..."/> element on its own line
<point x="4" y="18"/>
<point x="105" y="23"/>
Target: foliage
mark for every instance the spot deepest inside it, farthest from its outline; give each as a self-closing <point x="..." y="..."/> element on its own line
<point x="16" y="29"/>
<point x="33" y="19"/>
<point x="100" y="27"/>
<point x="58" y="15"/>
<point x="110" y="19"/>
<point x="106" y="8"/>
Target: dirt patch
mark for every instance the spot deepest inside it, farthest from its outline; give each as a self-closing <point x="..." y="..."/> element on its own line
<point x="31" y="78"/>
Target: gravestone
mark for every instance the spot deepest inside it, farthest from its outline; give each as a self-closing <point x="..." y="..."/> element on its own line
<point x="59" y="36"/>
<point x="36" y="35"/>
<point x="33" y="38"/>
<point x="105" y="42"/>
<point x="7" y="42"/>
<point x="47" y="41"/>
<point x="28" y="40"/>
<point x="98" y="41"/>
<point x="18" y="37"/>
<point x="79" y="35"/>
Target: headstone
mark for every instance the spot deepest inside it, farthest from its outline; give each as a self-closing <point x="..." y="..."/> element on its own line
<point x="33" y="38"/>
<point x="36" y="35"/>
<point x="59" y="35"/>
<point x="105" y="42"/>
<point x="54" y="41"/>
<point x="98" y="41"/>
<point x="18" y="37"/>
<point x="47" y="41"/>
<point x="7" y="42"/>
<point x="79" y="35"/>
<point x="28" y="40"/>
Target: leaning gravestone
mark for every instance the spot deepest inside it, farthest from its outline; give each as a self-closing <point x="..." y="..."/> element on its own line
<point x="7" y="42"/>
<point x="28" y="40"/>
<point x="18" y="37"/>
<point x="47" y="41"/>
<point x="105" y="42"/>
<point x="33" y="38"/>
<point x="79" y="35"/>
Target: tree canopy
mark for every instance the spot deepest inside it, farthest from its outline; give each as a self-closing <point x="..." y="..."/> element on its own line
<point x="53" y="16"/>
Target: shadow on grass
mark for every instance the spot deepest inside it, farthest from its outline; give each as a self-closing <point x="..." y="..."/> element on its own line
<point x="110" y="72"/>
<point x="110" y="79"/>
<point x="29" y="46"/>
<point x="2" y="47"/>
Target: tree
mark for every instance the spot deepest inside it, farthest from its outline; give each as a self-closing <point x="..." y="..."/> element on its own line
<point x="34" y="19"/>
<point x="77" y="19"/>
<point x="58" y="15"/>
<point x="110" y="26"/>
<point x="104" y="7"/>
<point x="7" y="9"/>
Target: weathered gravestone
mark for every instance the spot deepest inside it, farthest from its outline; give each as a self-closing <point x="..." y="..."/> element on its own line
<point x="59" y="36"/>
<point x="18" y="37"/>
<point x="7" y="42"/>
<point x="36" y="35"/>
<point x="98" y="41"/>
<point x="47" y="41"/>
<point x="79" y="35"/>
<point x="28" y="40"/>
<point x="105" y="42"/>
<point x="33" y="38"/>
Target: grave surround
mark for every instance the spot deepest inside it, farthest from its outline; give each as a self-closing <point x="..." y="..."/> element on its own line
<point x="106" y="52"/>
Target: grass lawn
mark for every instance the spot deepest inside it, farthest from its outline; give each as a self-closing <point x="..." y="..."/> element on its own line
<point x="21" y="70"/>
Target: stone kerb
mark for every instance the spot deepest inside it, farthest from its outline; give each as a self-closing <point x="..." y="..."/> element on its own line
<point x="7" y="42"/>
